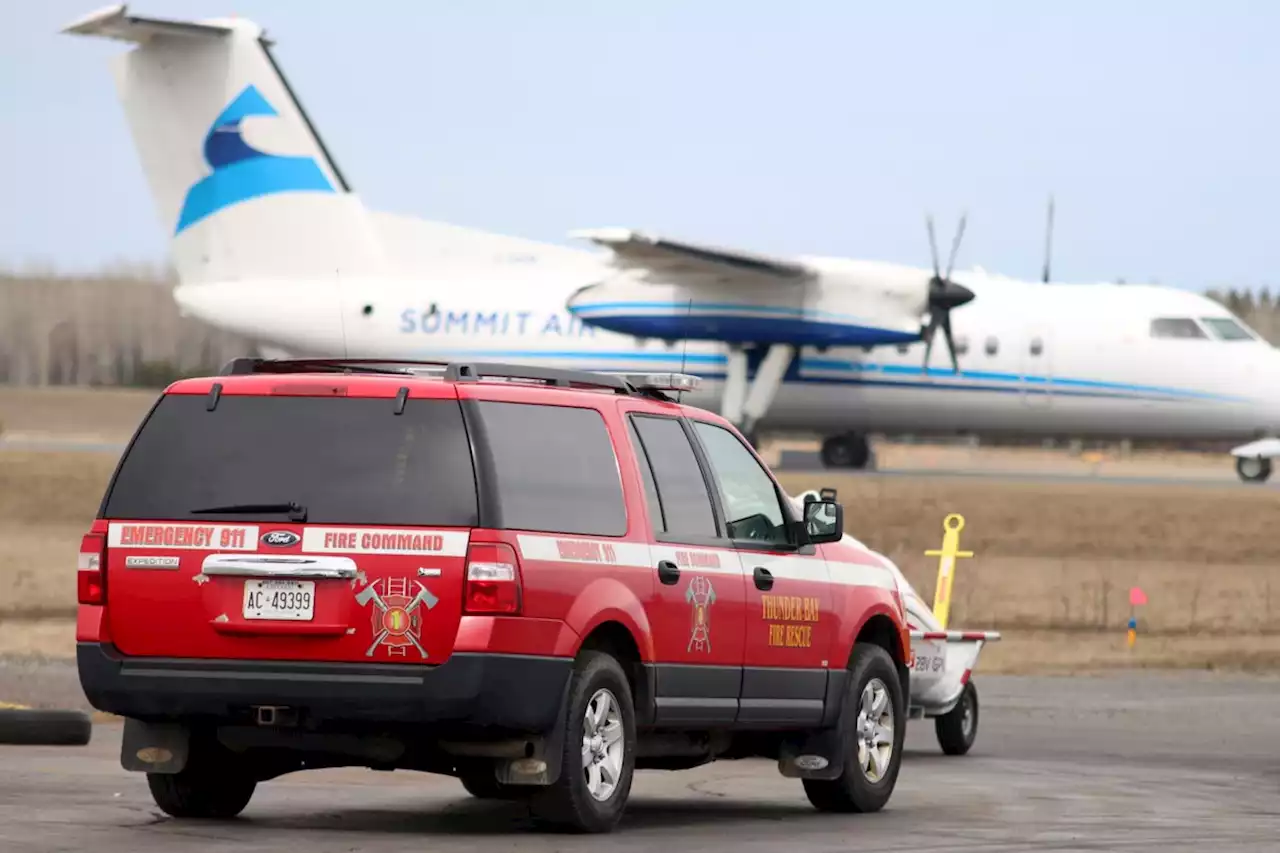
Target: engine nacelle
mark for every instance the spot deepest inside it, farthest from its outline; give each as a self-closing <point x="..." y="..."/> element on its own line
<point x="737" y="313"/>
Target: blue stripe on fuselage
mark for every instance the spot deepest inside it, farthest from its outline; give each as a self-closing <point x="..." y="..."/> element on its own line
<point x="856" y="373"/>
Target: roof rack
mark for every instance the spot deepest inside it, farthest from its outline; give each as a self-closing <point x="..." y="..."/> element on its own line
<point x="647" y="384"/>
<point x="245" y="366"/>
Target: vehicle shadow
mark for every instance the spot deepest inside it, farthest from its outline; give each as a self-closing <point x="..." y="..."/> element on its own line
<point x="476" y="818"/>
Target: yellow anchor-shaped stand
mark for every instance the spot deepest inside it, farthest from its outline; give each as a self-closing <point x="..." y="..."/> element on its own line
<point x="951" y="526"/>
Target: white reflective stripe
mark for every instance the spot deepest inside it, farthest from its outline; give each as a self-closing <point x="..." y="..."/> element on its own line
<point x="711" y="561"/>
<point x="861" y="574"/>
<point x="576" y="549"/>
<point x="691" y="558"/>
<point x="420" y="541"/>
<point x="786" y="567"/>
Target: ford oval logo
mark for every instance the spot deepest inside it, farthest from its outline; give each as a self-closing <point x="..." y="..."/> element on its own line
<point x="280" y="538"/>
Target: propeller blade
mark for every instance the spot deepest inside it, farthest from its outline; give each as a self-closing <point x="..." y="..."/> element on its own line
<point x="927" y="335"/>
<point x="1048" y="240"/>
<point x="933" y="245"/>
<point x="955" y="245"/>
<point x="951" y="343"/>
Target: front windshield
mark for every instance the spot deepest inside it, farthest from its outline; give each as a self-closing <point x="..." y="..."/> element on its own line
<point x="1227" y="329"/>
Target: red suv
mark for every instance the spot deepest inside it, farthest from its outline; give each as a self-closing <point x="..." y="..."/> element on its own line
<point x="537" y="581"/>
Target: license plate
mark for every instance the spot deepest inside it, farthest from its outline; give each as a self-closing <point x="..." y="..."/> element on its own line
<point x="929" y="657"/>
<point x="293" y="601"/>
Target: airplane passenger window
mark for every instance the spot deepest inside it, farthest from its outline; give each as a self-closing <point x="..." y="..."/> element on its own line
<point x="1176" y="327"/>
<point x="962" y="345"/>
<point x="1037" y="346"/>
<point x="1226" y="329"/>
<point x="992" y="346"/>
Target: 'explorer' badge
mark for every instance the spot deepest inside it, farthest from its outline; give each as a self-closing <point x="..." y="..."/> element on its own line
<point x="280" y="538"/>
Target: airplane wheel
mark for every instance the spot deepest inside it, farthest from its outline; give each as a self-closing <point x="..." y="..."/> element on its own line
<point x="845" y="451"/>
<point x="1253" y="469"/>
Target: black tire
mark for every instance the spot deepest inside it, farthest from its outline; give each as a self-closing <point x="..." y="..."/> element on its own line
<point x="1253" y="469"/>
<point x="30" y="727"/>
<point x="958" y="728"/>
<point x="483" y="785"/>
<point x="568" y="804"/>
<point x="213" y="785"/>
<point x="854" y="791"/>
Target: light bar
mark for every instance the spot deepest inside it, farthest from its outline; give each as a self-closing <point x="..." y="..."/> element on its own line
<point x="663" y="381"/>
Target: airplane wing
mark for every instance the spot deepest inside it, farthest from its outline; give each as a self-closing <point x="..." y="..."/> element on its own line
<point x="672" y="257"/>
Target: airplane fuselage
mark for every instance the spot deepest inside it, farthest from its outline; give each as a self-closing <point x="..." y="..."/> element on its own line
<point x="1048" y="360"/>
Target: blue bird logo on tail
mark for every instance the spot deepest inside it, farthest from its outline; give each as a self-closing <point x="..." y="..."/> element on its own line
<point x="242" y="172"/>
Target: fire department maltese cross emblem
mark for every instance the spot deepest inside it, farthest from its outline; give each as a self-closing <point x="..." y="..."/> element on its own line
<point x="396" y="617"/>
<point x="701" y="595"/>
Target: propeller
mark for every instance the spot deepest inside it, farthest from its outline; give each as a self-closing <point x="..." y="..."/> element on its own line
<point x="944" y="295"/>
<point x="1048" y="241"/>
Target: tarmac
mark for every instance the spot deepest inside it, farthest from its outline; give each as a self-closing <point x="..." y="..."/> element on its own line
<point x="1133" y="762"/>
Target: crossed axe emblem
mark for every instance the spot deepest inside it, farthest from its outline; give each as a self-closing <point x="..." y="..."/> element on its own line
<point x="397" y="617"/>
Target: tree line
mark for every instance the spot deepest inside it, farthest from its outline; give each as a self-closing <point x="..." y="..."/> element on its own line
<point x="121" y="327"/>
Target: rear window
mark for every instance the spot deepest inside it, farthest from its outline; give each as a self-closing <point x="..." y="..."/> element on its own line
<point x="347" y="460"/>
<point x="553" y="469"/>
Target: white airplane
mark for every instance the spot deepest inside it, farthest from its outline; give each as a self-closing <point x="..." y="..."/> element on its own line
<point x="270" y="241"/>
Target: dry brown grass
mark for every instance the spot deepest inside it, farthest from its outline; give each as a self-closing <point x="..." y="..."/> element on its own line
<point x="111" y="414"/>
<point x="1073" y="652"/>
<point x="1056" y="558"/>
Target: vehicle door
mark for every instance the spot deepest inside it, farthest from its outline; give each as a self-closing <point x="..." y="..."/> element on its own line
<point x="789" y="624"/>
<point x="697" y="612"/>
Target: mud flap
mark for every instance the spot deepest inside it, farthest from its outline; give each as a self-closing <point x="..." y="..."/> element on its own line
<point x="815" y="755"/>
<point x="154" y="747"/>
<point x="544" y="766"/>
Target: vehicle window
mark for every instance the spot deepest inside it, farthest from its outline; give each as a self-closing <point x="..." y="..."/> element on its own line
<point x="347" y="460"/>
<point x="682" y="491"/>
<point x="656" y="519"/>
<point x="1226" y="329"/>
<point x="554" y="469"/>
<point x="752" y="508"/>
<point x="1177" y="327"/>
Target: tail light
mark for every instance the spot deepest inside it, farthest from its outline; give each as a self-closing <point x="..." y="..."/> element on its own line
<point x="91" y="574"/>
<point x="493" y="579"/>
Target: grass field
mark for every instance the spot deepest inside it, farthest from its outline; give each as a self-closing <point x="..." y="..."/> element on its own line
<point x="1053" y="565"/>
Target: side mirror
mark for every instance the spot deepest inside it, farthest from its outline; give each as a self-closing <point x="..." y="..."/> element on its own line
<point x="824" y="521"/>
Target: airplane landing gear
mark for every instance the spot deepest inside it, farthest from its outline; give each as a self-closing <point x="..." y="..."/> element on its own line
<point x="846" y="451"/>
<point x="747" y="400"/>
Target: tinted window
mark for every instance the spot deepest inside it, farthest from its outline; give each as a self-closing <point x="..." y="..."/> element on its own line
<point x="751" y="506"/>
<point x="686" y="504"/>
<point x="656" y="519"/>
<point x="347" y="460"/>
<point x="553" y="469"/>
<point x="1176" y="327"/>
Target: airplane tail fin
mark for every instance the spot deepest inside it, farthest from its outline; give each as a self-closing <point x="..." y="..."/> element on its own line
<point x="239" y="175"/>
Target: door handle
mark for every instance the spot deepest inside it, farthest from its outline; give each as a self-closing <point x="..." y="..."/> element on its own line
<point x="668" y="572"/>
<point x="763" y="579"/>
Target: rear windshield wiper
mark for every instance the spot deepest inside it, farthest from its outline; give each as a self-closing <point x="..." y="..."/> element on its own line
<point x="296" y="512"/>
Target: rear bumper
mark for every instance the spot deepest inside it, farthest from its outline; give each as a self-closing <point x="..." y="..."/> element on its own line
<point x="520" y="693"/>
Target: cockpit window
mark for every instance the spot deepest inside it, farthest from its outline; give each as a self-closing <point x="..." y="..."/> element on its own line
<point x="1176" y="327"/>
<point x="1226" y="329"/>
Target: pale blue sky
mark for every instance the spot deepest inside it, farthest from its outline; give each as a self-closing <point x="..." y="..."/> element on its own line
<point x="814" y="126"/>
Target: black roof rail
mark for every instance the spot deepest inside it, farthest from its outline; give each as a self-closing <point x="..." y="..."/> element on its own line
<point x="475" y="371"/>
<point x="657" y="385"/>
<point x="245" y="366"/>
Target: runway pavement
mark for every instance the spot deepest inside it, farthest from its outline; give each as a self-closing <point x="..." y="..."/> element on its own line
<point x="1137" y="762"/>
